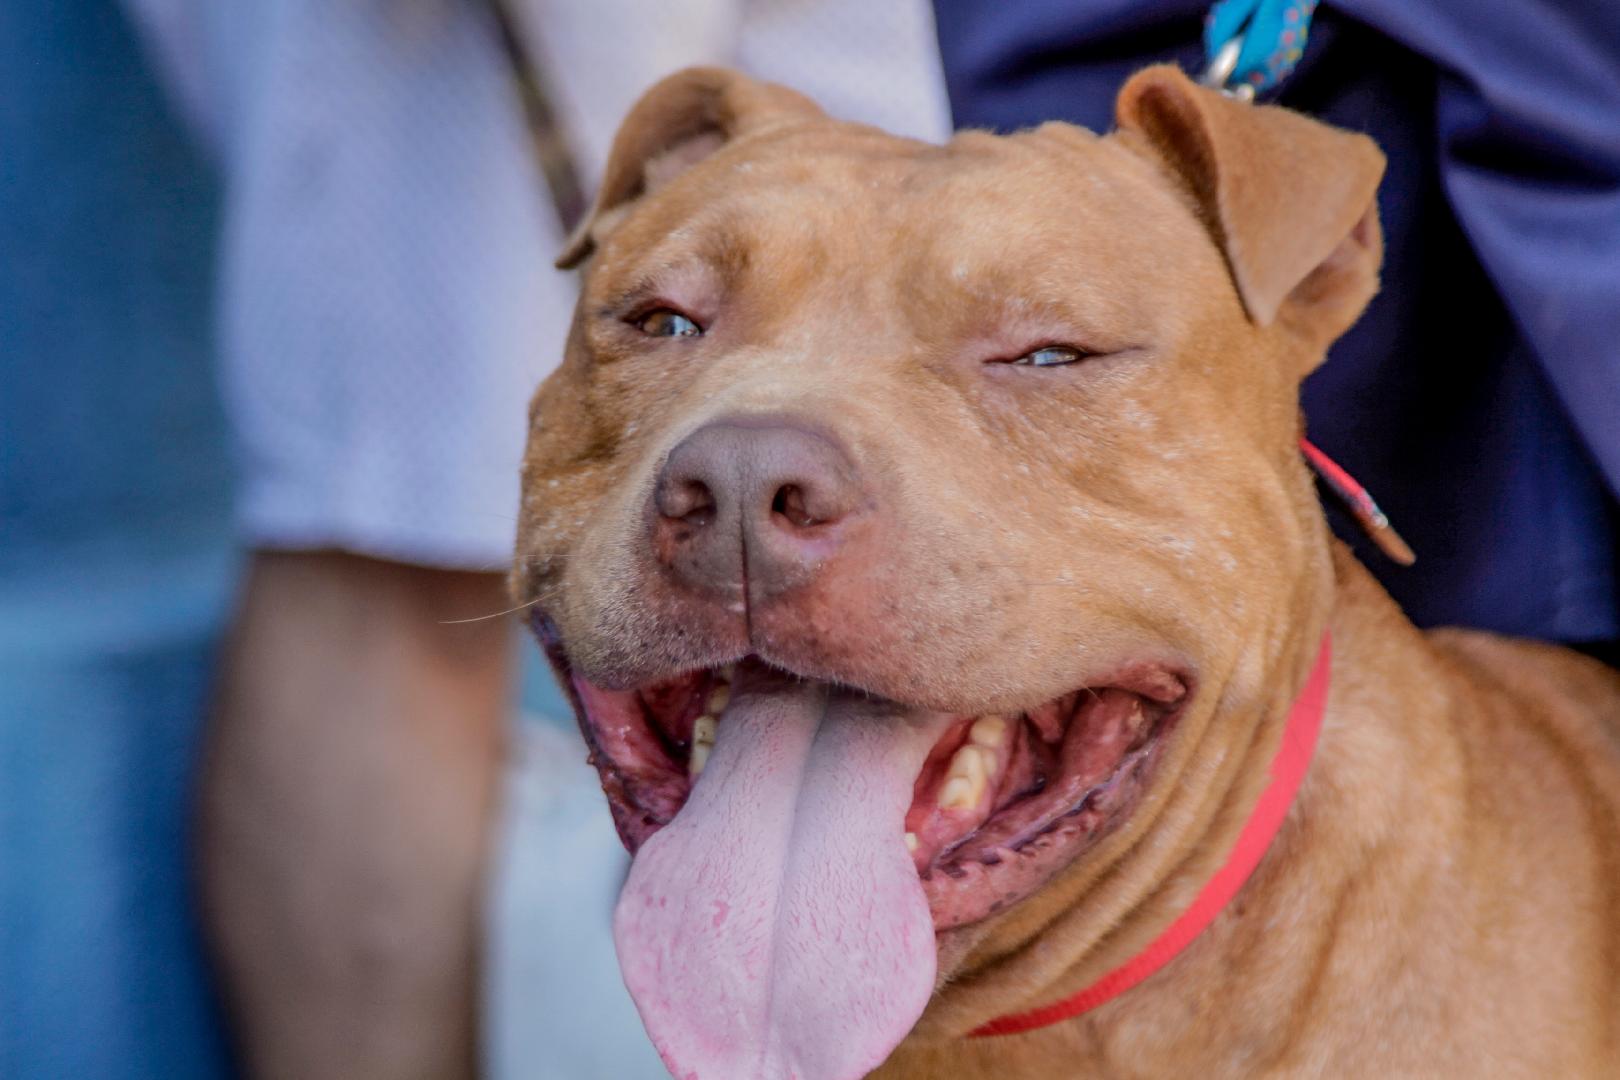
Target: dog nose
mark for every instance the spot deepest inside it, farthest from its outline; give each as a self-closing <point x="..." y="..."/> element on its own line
<point x="755" y="501"/>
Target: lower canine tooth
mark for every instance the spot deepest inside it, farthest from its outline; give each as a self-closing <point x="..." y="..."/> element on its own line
<point x="700" y="758"/>
<point x="911" y="841"/>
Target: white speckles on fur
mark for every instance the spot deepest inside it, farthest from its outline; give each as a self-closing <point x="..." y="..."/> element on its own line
<point x="1182" y="547"/>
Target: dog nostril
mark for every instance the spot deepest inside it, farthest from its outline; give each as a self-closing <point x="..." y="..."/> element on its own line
<point x="700" y="503"/>
<point x="789" y="502"/>
<point x="689" y="501"/>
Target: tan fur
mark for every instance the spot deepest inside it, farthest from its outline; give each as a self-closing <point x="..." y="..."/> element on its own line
<point x="1444" y="898"/>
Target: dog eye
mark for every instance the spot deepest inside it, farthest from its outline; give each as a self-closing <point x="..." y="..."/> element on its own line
<point x="1050" y="356"/>
<point x="665" y="322"/>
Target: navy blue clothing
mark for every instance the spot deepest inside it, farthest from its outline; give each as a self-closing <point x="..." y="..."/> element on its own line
<point x="1479" y="396"/>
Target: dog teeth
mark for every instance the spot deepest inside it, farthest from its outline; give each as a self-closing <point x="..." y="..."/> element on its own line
<point x="966" y="779"/>
<point x="971" y="766"/>
<point x="719" y="698"/>
<point x="911" y="841"/>
<point x="703" y="729"/>
<point x="957" y="794"/>
<point x="988" y="731"/>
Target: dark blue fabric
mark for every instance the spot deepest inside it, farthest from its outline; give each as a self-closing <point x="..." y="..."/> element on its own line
<point x="1479" y="396"/>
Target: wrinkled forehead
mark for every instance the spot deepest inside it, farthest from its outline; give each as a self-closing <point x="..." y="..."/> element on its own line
<point x="1052" y="214"/>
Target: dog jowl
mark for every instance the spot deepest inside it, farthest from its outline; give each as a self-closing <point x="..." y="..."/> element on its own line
<point x="922" y="533"/>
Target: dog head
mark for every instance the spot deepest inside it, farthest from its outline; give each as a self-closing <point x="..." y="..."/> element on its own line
<point x="922" y="533"/>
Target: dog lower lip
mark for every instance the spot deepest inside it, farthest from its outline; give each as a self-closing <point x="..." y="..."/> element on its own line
<point x="1002" y="803"/>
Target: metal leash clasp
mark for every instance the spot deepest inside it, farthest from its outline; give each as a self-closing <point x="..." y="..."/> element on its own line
<point x="1220" y="69"/>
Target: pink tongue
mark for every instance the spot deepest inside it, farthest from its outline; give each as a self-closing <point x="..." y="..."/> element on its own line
<point x="776" y="928"/>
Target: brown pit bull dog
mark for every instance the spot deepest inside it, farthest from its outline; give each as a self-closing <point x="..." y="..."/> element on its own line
<point x="924" y="534"/>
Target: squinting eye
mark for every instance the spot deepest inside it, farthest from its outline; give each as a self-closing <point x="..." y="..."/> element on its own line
<point x="667" y="323"/>
<point x="1051" y="356"/>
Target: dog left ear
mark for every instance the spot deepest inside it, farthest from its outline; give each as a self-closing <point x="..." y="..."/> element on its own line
<point x="680" y="121"/>
<point x="1291" y="202"/>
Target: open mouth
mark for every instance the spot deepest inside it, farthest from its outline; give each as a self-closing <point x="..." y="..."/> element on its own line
<point x="1000" y="804"/>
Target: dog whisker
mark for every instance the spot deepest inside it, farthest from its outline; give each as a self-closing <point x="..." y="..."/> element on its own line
<point x="491" y="615"/>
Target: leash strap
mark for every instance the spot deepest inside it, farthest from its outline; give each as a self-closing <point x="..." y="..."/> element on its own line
<point x="1252" y="45"/>
<point x="1359" y="501"/>
<point x="1288" y="768"/>
<point x="552" y="151"/>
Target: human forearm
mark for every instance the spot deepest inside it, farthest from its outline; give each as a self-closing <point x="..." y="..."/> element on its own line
<point x="345" y="805"/>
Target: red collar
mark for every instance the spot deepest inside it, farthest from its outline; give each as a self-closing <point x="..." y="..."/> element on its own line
<point x="1287" y="770"/>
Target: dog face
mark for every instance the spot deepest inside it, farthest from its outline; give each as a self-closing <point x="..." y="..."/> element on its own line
<point x="918" y="528"/>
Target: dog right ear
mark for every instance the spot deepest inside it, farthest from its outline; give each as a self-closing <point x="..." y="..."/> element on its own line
<point x="680" y="121"/>
<point x="1289" y="201"/>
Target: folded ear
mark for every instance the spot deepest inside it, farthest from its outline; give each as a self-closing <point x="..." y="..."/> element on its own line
<point x="680" y="121"/>
<point x="1289" y="200"/>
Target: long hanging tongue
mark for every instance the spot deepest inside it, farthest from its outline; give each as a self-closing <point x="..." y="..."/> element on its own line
<point x="776" y="929"/>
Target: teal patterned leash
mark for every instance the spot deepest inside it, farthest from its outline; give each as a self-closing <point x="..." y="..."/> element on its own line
<point x="1252" y="45"/>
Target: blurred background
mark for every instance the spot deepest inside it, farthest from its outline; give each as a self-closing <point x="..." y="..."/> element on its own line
<point x="284" y="789"/>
